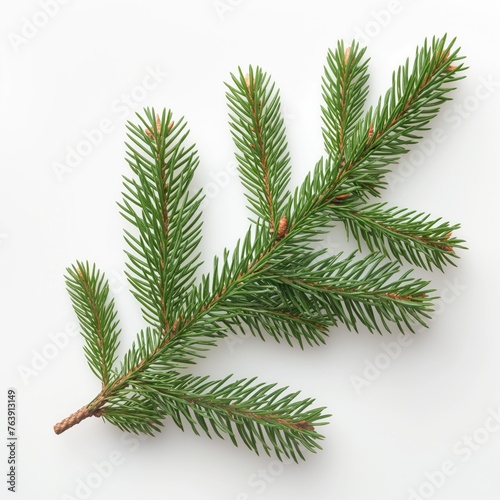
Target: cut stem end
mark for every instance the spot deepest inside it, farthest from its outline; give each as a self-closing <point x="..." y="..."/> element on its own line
<point x="76" y="418"/>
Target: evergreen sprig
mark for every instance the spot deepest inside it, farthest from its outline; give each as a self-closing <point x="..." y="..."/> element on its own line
<point x="96" y="313"/>
<point x="275" y="283"/>
<point x="258" y="131"/>
<point x="162" y="258"/>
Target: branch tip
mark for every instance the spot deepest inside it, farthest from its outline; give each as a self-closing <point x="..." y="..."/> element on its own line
<point x="370" y="131"/>
<point x="347" y="53"/>
<point x="150" y="132"/>
<point x="303" y="424"/>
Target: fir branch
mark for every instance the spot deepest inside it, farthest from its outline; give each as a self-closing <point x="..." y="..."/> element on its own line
<point x="395" y="123"/>
<point x="402" y="234"/>
<point x="96" y="313"/>
<point x="259" y="134"/>
<point x="367" y="290"/>
<point x="162" y="259"/>
<point x="263" y="417"/>
<point x="345" y="89"/>
<point x="273" y="283"/>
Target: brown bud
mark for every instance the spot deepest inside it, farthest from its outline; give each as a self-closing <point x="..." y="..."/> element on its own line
<point x="282" y="228"/>
<point x="447" y="248"/>
<point x="370" y="131"/>
<point x="346" y="54"/>
<point x="446" y="56"/>
<point x="303" y="424"/>
<point x="247" y="81"/>
<point x="149" y="131"/>
<point x="341" y="197"/>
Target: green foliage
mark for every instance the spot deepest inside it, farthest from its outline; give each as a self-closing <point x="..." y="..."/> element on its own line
<point x="259" y="135"/>
<point x="263" y="417"/>
<point x="402" y="234"/>
<point x="96" y="313"/>
<point x="162" y="254"/>
<point x="345" y="89"/>
<point x="388" y="129"/>
<point x="275" y="283"/>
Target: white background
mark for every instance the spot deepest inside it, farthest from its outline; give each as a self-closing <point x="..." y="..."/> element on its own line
<point x="396" y="419"/>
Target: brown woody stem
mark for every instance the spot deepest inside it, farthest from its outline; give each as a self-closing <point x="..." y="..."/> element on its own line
<point x="76" y="418"/>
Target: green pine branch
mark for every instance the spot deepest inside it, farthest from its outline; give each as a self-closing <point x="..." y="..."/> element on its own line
<point x="258" y="414"/>
<point x="89" y="291"/>
<point x="402" y="234"/>
<point x="274" y="283"/>
<point x="345" y="89"/>
<point x="162" y="252"/>
<point x="258" y="131"/>
<point x="388" y="129"/>
<point x="371" y="291"/>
